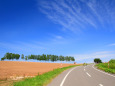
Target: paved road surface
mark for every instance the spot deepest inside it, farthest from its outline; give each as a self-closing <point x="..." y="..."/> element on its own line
<point x="83" y="76"/>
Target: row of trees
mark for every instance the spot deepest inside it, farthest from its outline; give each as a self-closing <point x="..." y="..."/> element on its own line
<point x="50" y="57"/>
<point x="11" y="56"/>
<point x="98" y="60"/>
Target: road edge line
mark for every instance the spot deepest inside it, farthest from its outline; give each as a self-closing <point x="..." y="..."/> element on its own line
<point x="66" y="76"/>
<point x="102" y="71"/>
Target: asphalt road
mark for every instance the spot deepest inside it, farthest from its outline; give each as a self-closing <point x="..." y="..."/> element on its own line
<point x="83" y="76"/>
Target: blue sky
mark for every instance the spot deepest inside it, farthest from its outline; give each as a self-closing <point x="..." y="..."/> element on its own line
<point x="84" y="29"/>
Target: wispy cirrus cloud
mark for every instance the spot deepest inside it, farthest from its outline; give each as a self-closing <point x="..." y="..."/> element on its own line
<point x="112" y="44"/>
<point x="77" y="15"/>
<point x="59" y="37"/>
<point x="105" y="55"/>
<point x="34" y="47"/>
<point x="21" y="47"/>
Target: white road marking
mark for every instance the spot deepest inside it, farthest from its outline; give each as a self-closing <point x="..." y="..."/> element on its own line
<point x="84" y="69"/>
<point x="103" y="72"/>
<point x="100" y="85"/>
<point x="88" y="74"/>
<point x="66" y="76"/>
<point x="85" y="66"/>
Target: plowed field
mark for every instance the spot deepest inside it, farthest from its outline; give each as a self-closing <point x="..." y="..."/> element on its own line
<point x="16" y="68"/>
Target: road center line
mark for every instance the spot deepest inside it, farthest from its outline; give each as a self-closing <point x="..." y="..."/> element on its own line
<point x="88" y="74"/>
<point x="103" y="72"/>
<point x="85" y="66"/>
<point x="66" y="76"/>
<point x="100" y="85"/>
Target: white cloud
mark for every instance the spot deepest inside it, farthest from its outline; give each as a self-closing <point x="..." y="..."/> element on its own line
<point x="59" y="37"/>
<point x="22" y="47"/>
<point x="105" y="55"/>
<point x="34" y="47"/>
<point x="76" y="15"/>
<point x="112" y="44"/>
<point x="58" y="40"/>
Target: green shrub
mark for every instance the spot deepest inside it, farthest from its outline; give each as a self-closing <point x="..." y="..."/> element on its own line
<point x="112" y="65"/>
<point x="112" y="61"/>
<point x="107" y="70"/>
<point x="85" y="64"/>
<point x="104" y="66"/>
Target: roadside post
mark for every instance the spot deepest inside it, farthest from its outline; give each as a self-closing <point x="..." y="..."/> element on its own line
<point x="61" y="65"/>
<point x="108" y="64"/>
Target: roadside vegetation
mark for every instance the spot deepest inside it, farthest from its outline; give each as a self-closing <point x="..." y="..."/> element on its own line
<point x="85" y="64"/>
<point x="43" y="57"/>
<point x="41" y="80"/>
<point x="107" y="67"/>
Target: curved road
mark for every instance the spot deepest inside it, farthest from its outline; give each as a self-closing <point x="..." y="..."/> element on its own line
<point x="83" y="76"/>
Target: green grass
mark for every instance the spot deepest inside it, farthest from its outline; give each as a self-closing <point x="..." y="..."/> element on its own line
<point x="104" y="66"/>
<point x="42" y="80"/>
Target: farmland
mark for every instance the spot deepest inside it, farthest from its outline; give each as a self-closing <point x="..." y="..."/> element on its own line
<point x="9" y="69"/>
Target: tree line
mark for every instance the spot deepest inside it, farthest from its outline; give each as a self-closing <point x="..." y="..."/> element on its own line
<point x="11" y="56"/>
<point x="98" y="60"/>
<point x="49" y="57"/>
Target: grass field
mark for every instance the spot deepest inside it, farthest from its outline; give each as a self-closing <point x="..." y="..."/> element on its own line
<point x="104" y="66"/>
<point x="42" y="80"/>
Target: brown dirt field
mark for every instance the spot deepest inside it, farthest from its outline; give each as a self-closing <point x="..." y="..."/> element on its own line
<point x="16" y="68"/>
